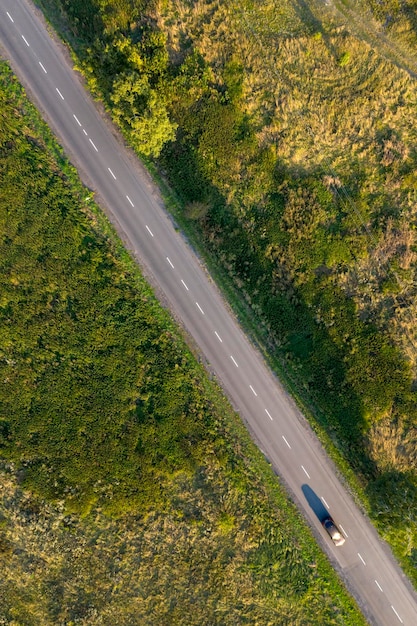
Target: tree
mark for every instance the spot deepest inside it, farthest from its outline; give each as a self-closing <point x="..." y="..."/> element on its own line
<point x="141" y="109"/>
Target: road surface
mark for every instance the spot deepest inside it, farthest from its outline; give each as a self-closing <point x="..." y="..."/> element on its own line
<point x="364" y="561"/>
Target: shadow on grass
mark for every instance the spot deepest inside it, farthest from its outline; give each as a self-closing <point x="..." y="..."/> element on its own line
<point x="315" y="364"/>
<point x="307" y="16"/>
<point x="393" y="507"/>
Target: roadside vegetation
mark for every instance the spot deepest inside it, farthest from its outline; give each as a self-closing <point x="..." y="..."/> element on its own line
<point x="130" y="493"/>
<point x="290" y="147"/>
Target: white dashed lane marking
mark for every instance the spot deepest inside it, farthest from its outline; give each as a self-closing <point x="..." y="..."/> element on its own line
<point x="305" y="471"/>
<point x="343" y="531"/>
<point x="361" y="558"/>
<point x="199" y="308"/>
<point x="25" y="40"/>
<point x="10" y="17"/>
<point x="76" y="119"/>
<point x="112" y="173"/>
<point x="218" y="336"/>
<point x="85" y="132"/>
<point x="397" y="615"/>
<point x="149" y="230"/>
<point x="93" y="144"/>
<point x="268" y="414"/>
<point x="170" y="262"/>
<point x="234" y="361"/>
<point x="43" y="67"/>
<point x="379" y="586"/>
<point x="184" y="284"/>
<point x="130" y="201"/>
<point x="253" y="390"/>
<point x="325" y="503"/>
<point x="59" y="93"/>
<point x="286" y="442"/>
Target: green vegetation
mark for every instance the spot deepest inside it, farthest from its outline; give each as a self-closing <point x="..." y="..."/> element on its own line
<point x="70" y="313"/>
<point x="129" y="491"/>
<point x="397" y="21"/>
<point x="294" y="167"/>
<point x="221" y="554"/>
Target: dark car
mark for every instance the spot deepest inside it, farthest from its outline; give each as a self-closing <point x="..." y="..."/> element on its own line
<point x="335" y="534"/>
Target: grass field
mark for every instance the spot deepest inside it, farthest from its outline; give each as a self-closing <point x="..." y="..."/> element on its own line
<point x="389" y="23"/>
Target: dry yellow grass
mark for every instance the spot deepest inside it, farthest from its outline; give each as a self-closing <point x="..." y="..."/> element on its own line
<point x="393" y="445"/>
<point x="208" y="560"/>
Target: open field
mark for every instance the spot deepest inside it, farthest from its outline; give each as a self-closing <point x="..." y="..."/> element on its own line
<point x="390" y="25"/>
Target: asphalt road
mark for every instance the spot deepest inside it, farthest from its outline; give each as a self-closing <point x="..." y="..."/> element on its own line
<point x="364" y="562"/>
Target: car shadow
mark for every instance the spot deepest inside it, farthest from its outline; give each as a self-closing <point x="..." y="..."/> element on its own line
<point x="315" y="503"/>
